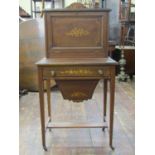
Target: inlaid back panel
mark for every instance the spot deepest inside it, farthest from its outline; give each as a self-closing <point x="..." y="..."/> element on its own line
<point x="76" y="33"/>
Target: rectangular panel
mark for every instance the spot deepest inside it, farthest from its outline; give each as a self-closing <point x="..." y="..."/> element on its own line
<point x="76" y="31"/>
<point x="71" y="32"/>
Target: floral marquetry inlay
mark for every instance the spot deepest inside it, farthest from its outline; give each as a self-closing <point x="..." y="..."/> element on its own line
<point x="79" y="72"/>
<point x="77" y="32"/>
<point x="78" y="94"/>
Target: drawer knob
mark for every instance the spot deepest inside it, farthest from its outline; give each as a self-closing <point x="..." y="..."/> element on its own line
<point x="100" y="72"/>
<point x="53" y="73"/>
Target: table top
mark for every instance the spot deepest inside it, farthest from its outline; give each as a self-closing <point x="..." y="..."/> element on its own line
<point x="76" y="61"/>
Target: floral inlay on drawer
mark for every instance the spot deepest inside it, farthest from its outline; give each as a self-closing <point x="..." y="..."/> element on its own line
<point x="77" y="72"/>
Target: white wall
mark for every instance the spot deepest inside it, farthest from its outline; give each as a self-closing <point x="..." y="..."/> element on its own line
<point x="68" y="2"/>
<point x="26" y="5"/>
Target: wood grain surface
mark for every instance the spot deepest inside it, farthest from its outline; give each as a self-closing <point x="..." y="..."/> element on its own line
<point x="71" y="32"/>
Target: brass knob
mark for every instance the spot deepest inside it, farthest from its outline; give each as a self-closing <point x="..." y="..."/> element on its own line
<point x="53" y="73"/>
<point x="100" y="72"/>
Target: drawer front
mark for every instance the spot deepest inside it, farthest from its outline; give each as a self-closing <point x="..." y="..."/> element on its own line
<point x="76" y="71"/>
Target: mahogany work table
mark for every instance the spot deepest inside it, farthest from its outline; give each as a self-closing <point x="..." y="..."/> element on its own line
<point x="80" y="71"/>
<point x="76" y="46"/>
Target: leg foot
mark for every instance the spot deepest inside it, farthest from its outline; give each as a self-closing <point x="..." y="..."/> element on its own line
<point x="103" y="129"/>
<point x="112" y="147"/>
<point x="45" y="148"/>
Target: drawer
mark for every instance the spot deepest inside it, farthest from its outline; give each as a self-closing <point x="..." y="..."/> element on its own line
<point x="76" y="71"/>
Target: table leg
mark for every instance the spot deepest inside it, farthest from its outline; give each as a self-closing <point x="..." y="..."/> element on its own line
<point x="112" y="95"/>
<point x="42" y="112"/>
<point x="48" y="98"/>
<point x="105" y="99"/>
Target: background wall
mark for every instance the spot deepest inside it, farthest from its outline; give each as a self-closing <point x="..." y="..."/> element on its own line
<point x="114" y="24"/>
<point x="114" y="19"/>
<point x="68" y="2"/>
<point x="26" y="5"/>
